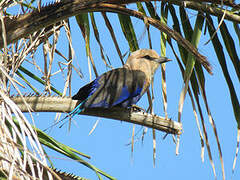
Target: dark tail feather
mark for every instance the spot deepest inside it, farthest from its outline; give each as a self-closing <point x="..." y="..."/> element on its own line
<point x="75" y="111"/>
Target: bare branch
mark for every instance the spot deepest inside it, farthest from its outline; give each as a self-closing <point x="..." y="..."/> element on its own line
<point x="58" y="104"/>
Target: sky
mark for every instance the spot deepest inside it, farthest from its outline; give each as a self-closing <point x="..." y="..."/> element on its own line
<point x="109" y="144"/>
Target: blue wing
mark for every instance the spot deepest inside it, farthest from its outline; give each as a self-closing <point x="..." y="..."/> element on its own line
<point x="87" y="90"/>
<point x="119" y="87"/>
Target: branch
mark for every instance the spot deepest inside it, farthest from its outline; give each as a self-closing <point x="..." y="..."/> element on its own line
<point x="24" y="25"/>
<point x="27" y="24"/>
<point x="208" y="8"/>
<point x="59" y="104"/>
<point x="162" y="27"/>
<point x="229" y="3"/>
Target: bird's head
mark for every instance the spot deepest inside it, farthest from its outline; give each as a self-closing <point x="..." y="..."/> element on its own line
<point x="145" y="60"/>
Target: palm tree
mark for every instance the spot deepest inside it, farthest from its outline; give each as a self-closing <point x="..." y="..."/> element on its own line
<point x="22" y="36"/>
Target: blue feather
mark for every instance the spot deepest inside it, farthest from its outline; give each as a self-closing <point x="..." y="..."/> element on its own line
<point x="78" y="109"/>
<point x="126" y="99"/>
<point x="126" y="96"/>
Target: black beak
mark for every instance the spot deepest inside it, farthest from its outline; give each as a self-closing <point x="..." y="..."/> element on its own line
<point x="162" y="60"/>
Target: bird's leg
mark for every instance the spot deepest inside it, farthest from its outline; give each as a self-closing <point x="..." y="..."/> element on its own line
<point x="134" y="107"/>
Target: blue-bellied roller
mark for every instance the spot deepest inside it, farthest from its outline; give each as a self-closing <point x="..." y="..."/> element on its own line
<point x="123" y="86"/>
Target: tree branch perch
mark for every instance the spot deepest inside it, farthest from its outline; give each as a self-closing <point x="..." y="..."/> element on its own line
<point x="59" y="104"/>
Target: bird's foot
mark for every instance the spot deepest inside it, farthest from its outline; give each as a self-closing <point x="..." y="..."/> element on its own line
<point x="134" y="107"/>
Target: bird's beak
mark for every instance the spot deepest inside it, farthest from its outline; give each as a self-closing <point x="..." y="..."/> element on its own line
<point x="162" y="60"/>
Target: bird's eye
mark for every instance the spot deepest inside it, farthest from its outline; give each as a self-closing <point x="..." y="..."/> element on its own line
<point x="147" y="57"/>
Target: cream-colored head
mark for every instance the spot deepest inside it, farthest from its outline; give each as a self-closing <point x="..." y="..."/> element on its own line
<point x="146" y="60"/>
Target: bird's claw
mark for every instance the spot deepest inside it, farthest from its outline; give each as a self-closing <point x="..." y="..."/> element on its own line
<point x="134" y="107"/>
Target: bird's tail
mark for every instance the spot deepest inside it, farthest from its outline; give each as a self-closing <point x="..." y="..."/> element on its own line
<point x="75" y="111"/>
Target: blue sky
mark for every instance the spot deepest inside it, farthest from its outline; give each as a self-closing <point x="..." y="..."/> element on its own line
<point x="109" y="146"/>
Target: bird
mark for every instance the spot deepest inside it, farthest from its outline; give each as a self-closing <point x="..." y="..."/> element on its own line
<point x="122" y="87"/>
